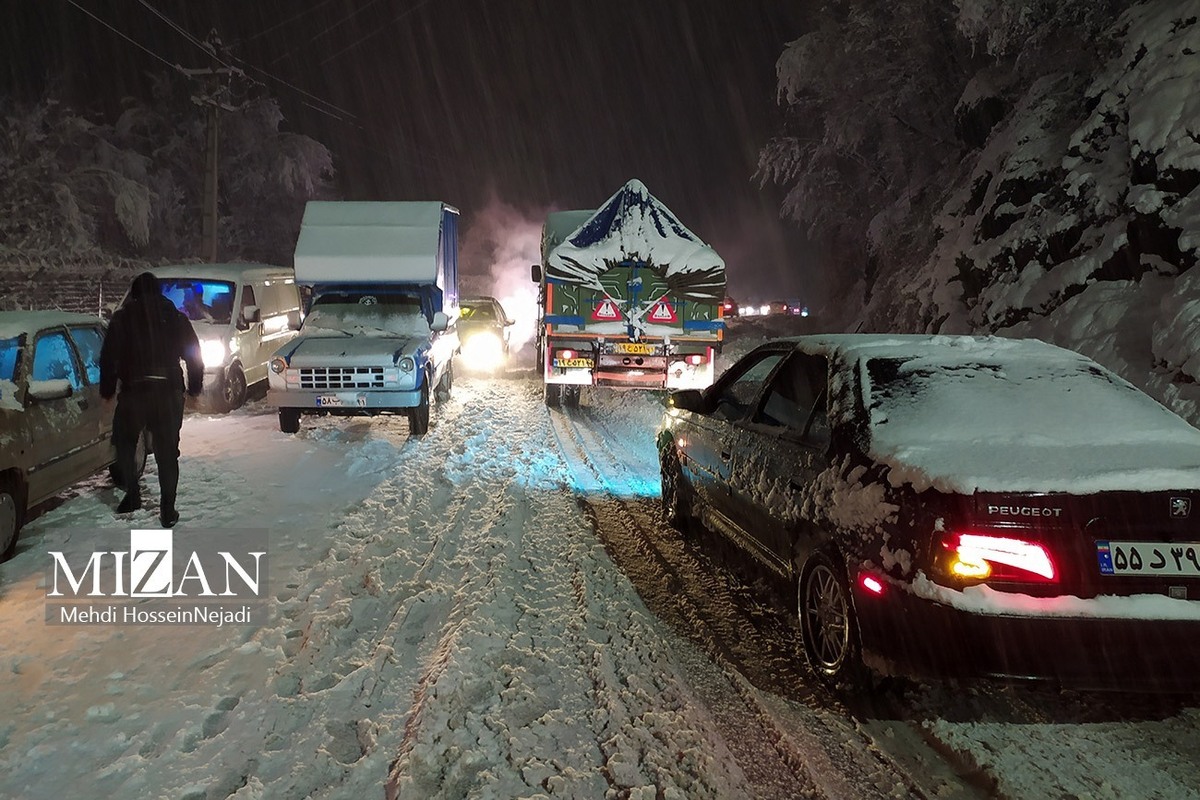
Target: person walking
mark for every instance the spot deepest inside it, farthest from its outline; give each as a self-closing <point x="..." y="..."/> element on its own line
<point x="145" y="342"/>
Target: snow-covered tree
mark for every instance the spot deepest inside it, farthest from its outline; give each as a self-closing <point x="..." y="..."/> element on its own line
<point x="69" y="184"/>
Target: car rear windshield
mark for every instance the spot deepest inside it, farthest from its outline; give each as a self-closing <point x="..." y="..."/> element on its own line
<point x="201" y="300"/>
<point x="9" y="348"/>
<point x="1038" y="401"/>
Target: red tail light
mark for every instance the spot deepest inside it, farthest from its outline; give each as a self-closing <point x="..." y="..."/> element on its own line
<point x="980" y="557"/>
<point x="870" y="583"/>
<point x="567" y="354"/>
<point x="695" y="359"/>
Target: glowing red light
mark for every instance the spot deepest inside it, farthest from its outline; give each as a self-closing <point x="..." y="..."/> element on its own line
<point x="871" y="583"/>
<point x="566" y="353"/>
<point x="695" y="359"/>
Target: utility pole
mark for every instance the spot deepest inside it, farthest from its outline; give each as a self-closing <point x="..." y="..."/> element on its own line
<point x="213" y="97"/>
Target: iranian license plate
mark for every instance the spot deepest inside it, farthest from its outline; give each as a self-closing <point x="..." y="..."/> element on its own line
<point x="634" y="348"/>
<point x="1149" y="558"/>
<point x="337" y="400"/>
<point x="564" y="363"/>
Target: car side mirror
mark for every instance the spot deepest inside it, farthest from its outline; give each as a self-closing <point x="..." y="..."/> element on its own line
<point x="441" y="321"/>
<point x="685" y="400"/>
<point x="508" y="322"/>
<point x="42" y="391"/>
<point x="535" y="273"/>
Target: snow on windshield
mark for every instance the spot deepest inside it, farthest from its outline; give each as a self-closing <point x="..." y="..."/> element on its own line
<point x="1028" y="423"/>
<point x="368" y="315"/>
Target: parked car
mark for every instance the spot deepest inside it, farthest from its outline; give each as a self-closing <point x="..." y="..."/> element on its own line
<point x="729" y="307"/>
<point x="953" y="506"/>
<point x="483" y="331"/>
<point x="242" y="313"/>
<point x="54" y="428"/>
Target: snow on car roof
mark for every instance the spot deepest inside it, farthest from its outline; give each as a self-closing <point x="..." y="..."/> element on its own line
<point x="966" y="414"/>
<point x="222" y="272"/>
<point x="15" y="323"/>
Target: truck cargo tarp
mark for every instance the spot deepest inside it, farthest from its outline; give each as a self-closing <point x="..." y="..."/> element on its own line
<point x="634" y="226"/>
<point x="350" y="242"/>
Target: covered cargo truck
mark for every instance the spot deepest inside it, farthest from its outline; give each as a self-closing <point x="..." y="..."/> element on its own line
<point x="629" y="298"/>
<point x="378" y="336"/>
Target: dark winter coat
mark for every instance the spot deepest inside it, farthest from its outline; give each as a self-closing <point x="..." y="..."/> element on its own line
<point x="145" y="342"/>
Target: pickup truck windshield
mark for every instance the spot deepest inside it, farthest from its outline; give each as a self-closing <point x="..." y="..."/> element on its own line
<point x="374" y="314"/>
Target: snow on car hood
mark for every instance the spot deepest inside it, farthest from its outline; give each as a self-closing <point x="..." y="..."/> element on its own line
<point x="1034" y="420"/>
<point x="329" y="348"/>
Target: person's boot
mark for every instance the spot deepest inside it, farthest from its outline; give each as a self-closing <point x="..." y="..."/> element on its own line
<point x="131" y="503"/>
<point x="168" y="517"/>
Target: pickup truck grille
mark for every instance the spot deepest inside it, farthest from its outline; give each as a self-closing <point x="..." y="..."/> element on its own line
<point x="341" y="377"/>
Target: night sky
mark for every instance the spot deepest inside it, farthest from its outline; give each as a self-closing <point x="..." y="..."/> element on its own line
<point x="537" y="104"/>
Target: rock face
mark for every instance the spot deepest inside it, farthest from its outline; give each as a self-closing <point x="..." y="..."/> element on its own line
<point x="1083" y="198"/>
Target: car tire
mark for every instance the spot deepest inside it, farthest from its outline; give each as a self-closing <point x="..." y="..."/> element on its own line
<point x="445" y="384"/>
<point x="233" y="390"/>
<point x="140" y="454"/>
<point x="676" y="496"/>
<point x="553" y="395"/>
<point x="418" y="418"/>
<point x="12" y="515"/>
<point x="828" y="626"/>
<point x="289" y="420"/>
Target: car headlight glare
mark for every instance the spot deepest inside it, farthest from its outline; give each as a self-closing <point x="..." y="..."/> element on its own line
<point x="212" y="352"/>
<point x="484" y="352"/>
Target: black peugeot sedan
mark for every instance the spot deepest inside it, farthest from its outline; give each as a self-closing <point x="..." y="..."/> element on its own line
<point x="953" y="506"/>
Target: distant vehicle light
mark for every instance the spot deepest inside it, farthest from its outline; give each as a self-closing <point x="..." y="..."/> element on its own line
<point x="976" y="557"/>
<point x="212" y="353"/>
<point x="765" y="310"/>
<point x="483" y="352"/>
<point x="804" y="312"/>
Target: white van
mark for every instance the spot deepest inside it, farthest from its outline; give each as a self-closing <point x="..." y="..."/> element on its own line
<point x="242" y="313"/>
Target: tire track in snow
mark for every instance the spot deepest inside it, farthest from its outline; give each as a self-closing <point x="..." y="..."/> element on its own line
<point x="779" y="762"/>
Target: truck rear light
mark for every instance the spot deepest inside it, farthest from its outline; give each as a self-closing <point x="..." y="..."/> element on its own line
<point x="978" y="557"/>
<point x="696" y="359"/>
<point x="567" y="354"/>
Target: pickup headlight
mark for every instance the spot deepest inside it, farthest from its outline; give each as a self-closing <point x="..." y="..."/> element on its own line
<point x="278" y="365"/>
<point x="407" y="364"/>
<point x="212" y="353"/>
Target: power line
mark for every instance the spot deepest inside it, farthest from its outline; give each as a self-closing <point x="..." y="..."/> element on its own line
<point x="208" y="49"/>
<point x="290" y="19"/>
<point x="356" y="43"/>
<point x="136" y="44"/>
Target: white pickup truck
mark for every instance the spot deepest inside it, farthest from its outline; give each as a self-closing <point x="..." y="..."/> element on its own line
<point x="379" y="334"/>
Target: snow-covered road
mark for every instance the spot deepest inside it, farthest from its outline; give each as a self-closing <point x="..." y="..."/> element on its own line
<point x="495" y="610"/>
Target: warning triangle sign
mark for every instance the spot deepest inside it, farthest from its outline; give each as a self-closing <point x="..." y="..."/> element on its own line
<point x="662" y="312"/>
<point x="606" y="311"/>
